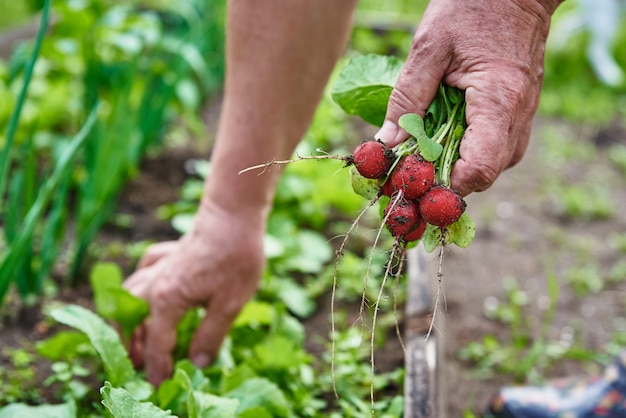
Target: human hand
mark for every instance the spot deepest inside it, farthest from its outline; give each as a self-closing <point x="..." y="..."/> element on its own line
<point x="217" y="266"/>
<point x="492" y="49"/>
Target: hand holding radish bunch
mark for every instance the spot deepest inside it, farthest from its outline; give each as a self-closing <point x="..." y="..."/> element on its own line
<point x="414" y="177"/>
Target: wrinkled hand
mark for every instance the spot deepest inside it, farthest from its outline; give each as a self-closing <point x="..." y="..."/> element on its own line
<point x="492" y="49"/>
<point x="217" y="266"/>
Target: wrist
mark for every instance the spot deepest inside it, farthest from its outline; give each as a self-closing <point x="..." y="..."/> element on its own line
<point x="237" y="204"/>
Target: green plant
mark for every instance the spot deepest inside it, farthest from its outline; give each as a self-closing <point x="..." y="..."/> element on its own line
<point x="527" y="353"/>
<point x="590" y="199"/>
<point x="585" y="278"/>
<point x="145" y="74"/>
<point x="570" y="90"/>
<point x="262" y="368"/>
<point x="145" y="67"/>
<point x="18" y="377"/>
<point x="18" y="254"/>
<point x="68" y="375"/>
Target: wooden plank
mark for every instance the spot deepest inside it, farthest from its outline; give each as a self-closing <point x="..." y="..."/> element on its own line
<point x="423" y="385"/>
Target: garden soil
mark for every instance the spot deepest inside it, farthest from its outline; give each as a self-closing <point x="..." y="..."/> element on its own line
<point x="521" y="235"/>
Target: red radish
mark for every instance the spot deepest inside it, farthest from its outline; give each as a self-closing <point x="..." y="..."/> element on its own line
<point x="372" y="159"/>
<point x="403" y="217"/>
<point x="413" y="175"/>
<point x="417" y="233"/>
<point x="387" y="189"/>
<point x="441" y="206"/>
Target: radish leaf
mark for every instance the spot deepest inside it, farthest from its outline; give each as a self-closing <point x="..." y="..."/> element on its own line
<point x="462" y="232"/>
<point x="64" y="410"/>
<point x="121" y="403"/>
<point x="414" y="125"/>
<point x="368" y="188"/>
<point x="113" y="301"/>
<point x="103" y="337"/>
<point x="365" y="84"/>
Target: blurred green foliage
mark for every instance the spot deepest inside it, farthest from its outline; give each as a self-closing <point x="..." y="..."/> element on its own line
<point x="148" y="64"/>
<point x="571" y="88"/>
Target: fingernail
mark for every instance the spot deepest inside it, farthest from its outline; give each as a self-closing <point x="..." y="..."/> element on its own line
<point x="202" y="360"/>
<point x="387" y="132"/>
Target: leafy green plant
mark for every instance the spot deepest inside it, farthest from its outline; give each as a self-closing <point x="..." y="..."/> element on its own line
<point x="588" y="200"/>
<point x="18" y="377"/>
<point x="569" y="90"/>
<point x="526" y="353"/>
<point x="585" y="278"/>
<point x="262" y="368"/>
<point x="69" y="376"/>
<point x="17" y="254"/>
<point x="144" y="67"/>
<point x="143" y="94"/>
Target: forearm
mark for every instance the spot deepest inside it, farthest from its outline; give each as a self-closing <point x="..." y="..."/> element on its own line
<point x="279" y="57"/>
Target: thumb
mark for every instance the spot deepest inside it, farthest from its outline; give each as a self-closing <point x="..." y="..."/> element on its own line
<point x="415" y="89"/>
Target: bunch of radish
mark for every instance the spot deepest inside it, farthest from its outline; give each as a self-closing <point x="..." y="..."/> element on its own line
<point x="410" y="181"/>
<point x="414" y="177"/>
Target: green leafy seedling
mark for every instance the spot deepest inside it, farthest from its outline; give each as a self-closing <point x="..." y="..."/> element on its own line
<point x="414" y="125"/>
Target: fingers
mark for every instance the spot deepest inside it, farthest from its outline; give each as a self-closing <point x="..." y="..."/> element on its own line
<point x="499" y="124"/>
<point x="155" y="252"/>
<point x="215" y="325"/>
<point x="136" y="348"/>
<point x="159" y="344"/>
<point x="153" y="341"/>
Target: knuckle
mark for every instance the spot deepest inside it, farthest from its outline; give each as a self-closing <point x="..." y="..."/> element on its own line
<point x="516" y="158"/>
<point x="231" y="308"/>
<point x="400" y="101"/>
<point x="483" y="177"/>
<point x="160" y="296"/>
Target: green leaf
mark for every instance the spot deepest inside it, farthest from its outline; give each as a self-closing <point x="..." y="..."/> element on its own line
<point x="212" y="406"/>
<point x="314" y="251"/>
<point x="364" y="85"/>
<point x="368" y="188"/>
<point x="278" y="352"/>
<point x="414" y="125"/>
<point x="185" y="330"/>
<point x="183" y="222"/>
<point x="103" y="337"/>
<point x="431" y="237"/>
<point x="260" y="392"/>
<point x="255" y="312"/>
<point x="121" y="404"/>
<point x="295" y="297"/>
<point x="64" y="345"/>
<point x="64" y="410"/>
<point x="14" y="254"/>
<point x="453" y="94"/>
<point x="205" y="405"/>
<point x="462" y="232"/>
<point x="371" y="106"/>
<point x="256" y="413"/>
<point x="113" y="301"/>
